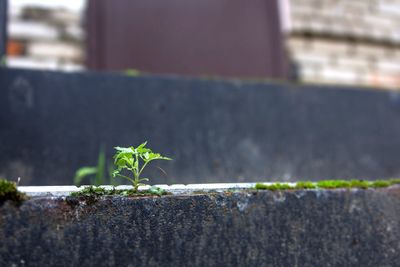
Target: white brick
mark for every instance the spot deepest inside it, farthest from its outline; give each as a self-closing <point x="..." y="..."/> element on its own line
<point x="379" y="20"/>
<point x="54" y="49"/>
<point x="75" y="32"/>
<point x="369" y="50"/>
<point x="317" y="26"/>
<point x="66" y="16"/>
<point x="329" y="47"/>
<point x="310" y="58"/>
<point x="389" y="66"/>
<point x="29" y="63"/>
<point x="354" y="63"/>
<point x="67" y="66"/>
<point x="309" y="73"/>
<point x="339" y="76"/>
<point x="384" y="80"/>
<point x="296" y="43"/>
<point x="395" y="36"/>
<point x="31" y="30"/>
<point x="73" y="5"/>
<point x="389" y="8"/>
<point x="14" y="12"/>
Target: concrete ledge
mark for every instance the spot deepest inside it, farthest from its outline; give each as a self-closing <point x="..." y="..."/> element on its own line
<point x="59" y="191"/>
<point x="245" y="228"/>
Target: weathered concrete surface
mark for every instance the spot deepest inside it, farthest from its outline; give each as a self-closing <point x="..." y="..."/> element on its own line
<point x="53" y="123"/>
<point x="298" y="228"/>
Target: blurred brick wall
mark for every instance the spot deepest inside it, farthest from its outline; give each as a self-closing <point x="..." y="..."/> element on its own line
<point x="355" y="42"/>
<point x="45" y="38"/>
<point x="350" y="42"/>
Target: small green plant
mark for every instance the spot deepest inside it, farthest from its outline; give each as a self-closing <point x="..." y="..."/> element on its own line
<point x="96" y="172"/>
<point x="9" y="191"/>
<point x="134" y="160"/>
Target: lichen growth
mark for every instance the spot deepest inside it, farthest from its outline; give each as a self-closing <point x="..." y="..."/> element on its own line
<point x="328" y="184"/>
<point x="9" y="191"/>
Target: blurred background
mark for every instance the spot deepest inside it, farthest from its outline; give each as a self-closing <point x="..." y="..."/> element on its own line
<point x="233" y="91"/>
<point x="354" y="42"/>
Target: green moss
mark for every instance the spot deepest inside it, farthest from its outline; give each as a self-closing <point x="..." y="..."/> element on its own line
<point x="92" y="193"/>
<point x="394" y="181"/>
<point x="332" y="184"/>
<point x="329" y="184"/>
<point x="273" y="187"/>
<point x="380" y="183"/>
<point x="305" y="185"/>
<point x="9" y="191"/>
<point x="360" y="184"/>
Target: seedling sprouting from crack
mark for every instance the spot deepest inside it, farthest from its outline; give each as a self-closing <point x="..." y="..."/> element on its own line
<point x="135" y="161"/>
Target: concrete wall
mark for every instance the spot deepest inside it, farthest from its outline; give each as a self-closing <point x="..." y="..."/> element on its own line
<point x="216" y="131"/>
<point x="298" y="228"/>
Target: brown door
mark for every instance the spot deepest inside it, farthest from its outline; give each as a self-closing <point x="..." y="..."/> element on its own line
<point x="232" y="38"/>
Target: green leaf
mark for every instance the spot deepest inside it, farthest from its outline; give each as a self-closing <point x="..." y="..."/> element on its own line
<point x="142" y="151"/>
<point x="156" y="190"/>
<point x="84" y="172"/>
<point x="124" y="149"/>
<point x="101" y="167"/>
<point x="155" y="156"/>
<point x="120" y="162"/>
<point x="134" y="160"/>
<point x="110" y="172"/>
<point x="146" y="155"/>
<point x="122" y="155"/>
<point x="142" y="144"/>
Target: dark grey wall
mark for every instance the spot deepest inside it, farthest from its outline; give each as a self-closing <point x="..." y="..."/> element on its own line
<point x="53" y="123"/>
<point x="280" y="229"/>
<point x="3" y="28"/>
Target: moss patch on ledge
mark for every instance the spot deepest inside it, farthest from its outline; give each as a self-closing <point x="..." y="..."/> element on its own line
<point x="328" y="184"/>
<point x="92" y="193"/>
<point x="9" y="191"/>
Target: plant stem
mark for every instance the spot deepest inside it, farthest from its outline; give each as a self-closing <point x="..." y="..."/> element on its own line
<point x="126" y="177"/>
<point x="144" y="165"/>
